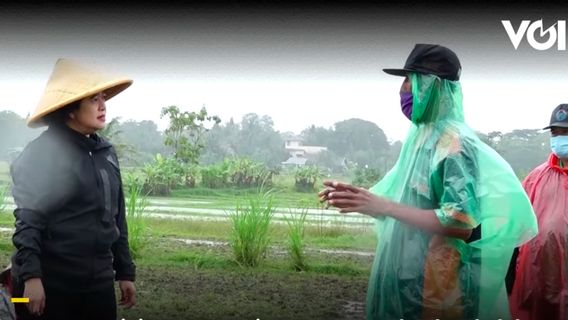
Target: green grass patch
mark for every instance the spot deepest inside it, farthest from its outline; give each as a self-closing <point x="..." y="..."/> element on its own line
<point x="4" y="172"/>
<point x="7" y="219"/>
<point x="166" y="252"/>
<point x="180" y="281"/>
<point x="222" y="197"/>
<point x="6" y="249"/>
<point x="324" y="237"/>
<point x="296" y="244"/>
<point x="250" y="228"/>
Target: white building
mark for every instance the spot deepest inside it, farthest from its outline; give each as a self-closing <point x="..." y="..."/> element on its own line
<point x="299" y="154"/>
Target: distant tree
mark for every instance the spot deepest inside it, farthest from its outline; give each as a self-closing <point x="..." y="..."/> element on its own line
<point x="14" y="134"/>
<point x="524" y="149"/>
<point x="111" y="129"/>
<point x="186" y="131"/>
<point x="258" y="140"/>
<point x="112" y="132"/>
<point x="360" y="141"/>
<point x="221" y="142"/>
<point x="145" y="138"/>
<point x="329" y="160"/>
<point x="493" y="139"/>
<point x="254" y="137"/>
<point x="353" y="142"/>
<point x="392" y="156"/>
<point x="317" y="136"/>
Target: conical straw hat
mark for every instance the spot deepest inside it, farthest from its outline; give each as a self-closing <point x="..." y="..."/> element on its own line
<point x="71" y="81"/>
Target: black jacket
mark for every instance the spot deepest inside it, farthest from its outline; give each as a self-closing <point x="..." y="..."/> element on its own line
<point x="70" y="216"/>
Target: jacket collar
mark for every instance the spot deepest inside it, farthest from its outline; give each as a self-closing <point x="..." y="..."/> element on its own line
<point x="554" y="163"/>
<point x="92" y="143"/>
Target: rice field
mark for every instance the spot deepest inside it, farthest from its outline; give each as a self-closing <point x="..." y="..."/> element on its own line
<point x="187" y="269"/>
<point x="4" y="172"/>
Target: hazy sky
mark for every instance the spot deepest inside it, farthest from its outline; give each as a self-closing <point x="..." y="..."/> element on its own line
<point x="299" y="65"/>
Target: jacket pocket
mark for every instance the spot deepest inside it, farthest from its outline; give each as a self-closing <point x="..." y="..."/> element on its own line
<point x="107" y="196"/>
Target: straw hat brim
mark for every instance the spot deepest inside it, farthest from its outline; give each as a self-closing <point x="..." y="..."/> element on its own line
<point x="111" y="88"/>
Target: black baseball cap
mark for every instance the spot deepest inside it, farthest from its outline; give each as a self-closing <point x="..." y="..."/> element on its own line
<point x="559" y="117"/>
<point x="431" y="59"/>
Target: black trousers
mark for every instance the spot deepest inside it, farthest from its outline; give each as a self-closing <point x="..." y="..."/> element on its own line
<point x="93" y="305"/>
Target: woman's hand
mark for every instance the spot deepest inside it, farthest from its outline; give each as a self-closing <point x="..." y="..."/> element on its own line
<point x="128" y="294"/>
<point x="33" y="289"/>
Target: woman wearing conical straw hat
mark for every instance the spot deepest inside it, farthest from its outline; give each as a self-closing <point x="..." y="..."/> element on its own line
<point x="71" y="235"/>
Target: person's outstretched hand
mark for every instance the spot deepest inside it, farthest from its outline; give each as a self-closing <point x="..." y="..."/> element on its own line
<point x="332" y="186"/>
<point x="348" y="198"/>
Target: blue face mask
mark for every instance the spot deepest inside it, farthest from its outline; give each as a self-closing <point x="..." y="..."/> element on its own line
<point x="559" y="146"/>
<point x="406" y="104"/>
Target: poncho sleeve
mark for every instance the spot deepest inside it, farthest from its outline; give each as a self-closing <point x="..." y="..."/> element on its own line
<point x="454" y="186"/>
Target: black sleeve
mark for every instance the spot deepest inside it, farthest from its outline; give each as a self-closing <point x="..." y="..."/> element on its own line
<point x="123" y="264"/>
<point x="512" y="271"/>
<point x="39" y="189"/>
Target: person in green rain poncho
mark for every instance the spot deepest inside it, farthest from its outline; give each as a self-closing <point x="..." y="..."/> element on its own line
<point x="449" y="213"/>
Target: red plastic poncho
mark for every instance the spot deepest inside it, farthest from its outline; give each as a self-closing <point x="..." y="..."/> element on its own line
<point x="540" y="290"/>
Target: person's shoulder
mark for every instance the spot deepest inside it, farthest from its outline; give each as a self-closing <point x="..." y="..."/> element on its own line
<point x="41" y="151"/>
<point x="455" y="142"/>
<point x="37" y="145"/>
<point x="450" y="141"/>
<point x="539" y="170"/>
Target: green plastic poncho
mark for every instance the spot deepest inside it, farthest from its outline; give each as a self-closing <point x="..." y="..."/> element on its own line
<point x="445" y="167"/>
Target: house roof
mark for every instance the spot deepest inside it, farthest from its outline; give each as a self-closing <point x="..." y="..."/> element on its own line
<point x="295" y="161"/>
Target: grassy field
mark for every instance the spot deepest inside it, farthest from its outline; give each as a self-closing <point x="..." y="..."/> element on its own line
<point x="177" y="280"/>
<point x="182" y="282"/>
<point x="186" y="270"/>
<point x="282" y="188"/>
<point x="320" y="237"/>
<point x="4" y="172"/>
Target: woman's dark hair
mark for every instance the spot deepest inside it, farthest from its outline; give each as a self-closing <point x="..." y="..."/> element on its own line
<point x="60" y="117"/>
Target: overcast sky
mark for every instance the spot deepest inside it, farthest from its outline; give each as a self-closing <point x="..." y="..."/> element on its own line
<point x="299" y="65"/>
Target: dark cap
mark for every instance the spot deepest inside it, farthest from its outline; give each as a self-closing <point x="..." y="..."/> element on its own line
<point x="559" y="117"/>
<point x="431" y="59"/>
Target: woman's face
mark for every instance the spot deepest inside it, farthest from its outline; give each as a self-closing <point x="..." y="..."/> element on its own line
<point x="91" y="114"/>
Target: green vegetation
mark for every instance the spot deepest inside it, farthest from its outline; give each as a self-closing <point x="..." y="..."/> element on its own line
<point x="176" y="279"/>
<point x="4" y="173"/>
<point x="366" y="177"/>
<point x="220" y="248"/>
<point x="4" y="190"/>
<point x="251" y="222"/>
<point x="296" y="243"/>
<point x="306" y="178"/>
<point x="162" y="175"/>
<point x="238" y="172"/>
<point x="136" y="203"/>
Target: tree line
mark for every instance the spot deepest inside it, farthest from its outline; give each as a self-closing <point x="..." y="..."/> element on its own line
<point x="201" y="138"/>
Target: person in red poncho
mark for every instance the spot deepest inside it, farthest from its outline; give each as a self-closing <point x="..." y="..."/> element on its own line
<point x="540" y="288"/>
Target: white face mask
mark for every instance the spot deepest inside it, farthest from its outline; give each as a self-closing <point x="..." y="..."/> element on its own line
<point x="559" y="146"/>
